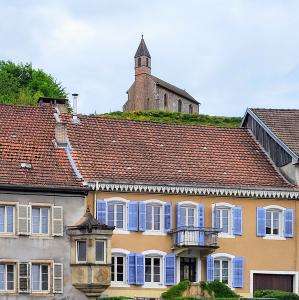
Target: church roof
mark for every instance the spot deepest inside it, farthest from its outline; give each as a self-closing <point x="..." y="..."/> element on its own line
<point x="142" y="49"/>
<point x="173" y="88"/>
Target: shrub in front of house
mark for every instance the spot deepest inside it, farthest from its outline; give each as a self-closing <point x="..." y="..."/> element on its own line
<point x="176" y="291"/>
<point x="221" y="290"/>
<point x="279" y="295"/>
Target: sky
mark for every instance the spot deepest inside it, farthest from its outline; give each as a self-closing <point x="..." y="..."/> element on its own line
<point x="228" y="54"/>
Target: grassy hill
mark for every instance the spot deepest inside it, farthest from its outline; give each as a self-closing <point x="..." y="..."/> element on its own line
<point x="177" y="118"/>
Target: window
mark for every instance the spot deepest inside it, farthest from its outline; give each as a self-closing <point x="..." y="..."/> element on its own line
<point x="139" y="61"/>
<point x="180" y="106"/>
<point x="100" y="251"/>
<point x="6" y="219"/>
<point x="190" y="109"/>
<point x="273" y="222"/>
<point x="153" y="269"/>
<point x="222" y="270"/>
<point x="187" y="216"/>
<point x="153" y="217"/>
<point x="116" y="215"/>
<point x="40" y="278"/>
<point x="223" y="219"/>
<point x="7" y="277"/>
<point x="40" y="220"/>
<point x="147" y="62"/>
<point x="165" y="101"/>
<point x="118" y="268"/>
<point x="81" y="251"/>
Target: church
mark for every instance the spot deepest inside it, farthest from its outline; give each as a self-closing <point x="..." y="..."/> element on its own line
<point x="152" y="93"/>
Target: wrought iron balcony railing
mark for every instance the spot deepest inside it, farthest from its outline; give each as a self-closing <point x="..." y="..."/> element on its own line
<point x="195" y="236"/>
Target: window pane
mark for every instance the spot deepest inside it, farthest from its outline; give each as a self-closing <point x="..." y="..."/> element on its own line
<point x="156" y="269"/>
<point x="10" y="218"/>
<point x="100" y="250"/>
<point x="35" y="220"/>
<point x="190" y="216"/>
<point x="44" y="277"/>
<point x="183" y="211"/>
<point x="112" y="268"/>
<point x="2" y="277"/>
<point x="149" y="217"/>
<point x="45" y="216"/>
<point x="120" y="216"/>
<point x="156" y="218"/>
<point x="36" y="277"/>
<point x="148" y="265"/>
<point x="225" y="216"/>
<point x="10" y="277"/>
<point x="111" y="221"/>
<point x="217" y="218"/>
<point x="81" y="251"/>
<point x="2" y="220"/>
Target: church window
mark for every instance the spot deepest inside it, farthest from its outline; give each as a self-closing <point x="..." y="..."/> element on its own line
<point x="147" y="105"/>
<point x="165" y="100"/>
<point x="147" y="62"/>
<point x="139" y="61"/>
<point x="190" y="109"/>
<point x="180" y="106"/>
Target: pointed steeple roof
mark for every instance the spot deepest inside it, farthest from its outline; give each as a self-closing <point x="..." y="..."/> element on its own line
<point x="142" y="49"/>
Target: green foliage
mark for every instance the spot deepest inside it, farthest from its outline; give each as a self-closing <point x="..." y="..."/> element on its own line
<point x="221" y="290"/>
<point x="176" y="291"/>
<point x="178" y="118"/>
<point x="279" y="295"/>
<point x="115" y="298"/>
<point x="20" y="84"/>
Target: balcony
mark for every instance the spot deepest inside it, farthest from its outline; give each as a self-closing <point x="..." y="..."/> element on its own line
<point x="186" y="237"/>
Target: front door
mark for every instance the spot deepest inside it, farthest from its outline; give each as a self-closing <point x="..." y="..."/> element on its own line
<point x="188" y="268"/>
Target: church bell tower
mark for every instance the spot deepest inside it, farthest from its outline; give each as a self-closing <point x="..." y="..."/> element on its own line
<point x="142" y="59"/>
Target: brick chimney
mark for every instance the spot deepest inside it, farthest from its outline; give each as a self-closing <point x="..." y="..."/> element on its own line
<point x="61" y="134"/>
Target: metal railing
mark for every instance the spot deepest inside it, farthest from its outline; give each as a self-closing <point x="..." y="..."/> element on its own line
<point x="195" y="236"/>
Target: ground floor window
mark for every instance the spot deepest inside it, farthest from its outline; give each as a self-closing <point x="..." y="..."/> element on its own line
<point x="221" y="270"/>
<point x="153" y="269"/>
<point x="118" y="268"/>
<point x="7" y="277"/>
<point x="40" y="277"/>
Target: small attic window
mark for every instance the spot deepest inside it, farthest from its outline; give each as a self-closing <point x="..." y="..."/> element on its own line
<point x="26" y="166"/>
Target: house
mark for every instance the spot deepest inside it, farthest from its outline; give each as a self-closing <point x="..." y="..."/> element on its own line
<point x="152" y="93"/>
<point x="187" y="202"/>
<point x="42" y="202"/>
<point x="277" y="131"/>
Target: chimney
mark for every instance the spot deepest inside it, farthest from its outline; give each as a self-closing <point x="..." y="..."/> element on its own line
<point x="75" y="108"/>
<point x="61" y="134"/>
<point x="60" y="103"/>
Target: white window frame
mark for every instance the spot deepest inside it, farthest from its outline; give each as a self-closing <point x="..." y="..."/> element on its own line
<point x="5" y="263"/>
<point x="40" y="291"/>
<point x="105" y="246"/>
<point x="193" y="205"/>
<point x="123" y="253"/>
<point x="77" y="261"/>
<point x="224" y="205"/>
<point x="124" y="202"/>
<point x="40" y="206"/>
<point x="155" y="254"/>
<point x="279" y="236"/>
<point x="229" y="258"/>
<point x="5" y="205"/>
<point x="160" y="203"/>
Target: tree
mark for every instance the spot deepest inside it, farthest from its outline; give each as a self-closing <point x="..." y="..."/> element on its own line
<point x="20" y="84"/>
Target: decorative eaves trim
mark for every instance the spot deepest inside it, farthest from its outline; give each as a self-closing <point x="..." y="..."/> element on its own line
<point x="270" y="132"/>
<point x="237" y="192"/>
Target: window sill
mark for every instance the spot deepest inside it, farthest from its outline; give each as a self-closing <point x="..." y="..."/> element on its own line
<point x="275" y="238"/>
<point x="121" y="231"/>
<point x="226" y="236"/>
<point x="119" y="285"/>
<point x="152" y="232"/>
<point x="9" y="235"/>
<point x="154" y="286"/>
<point x="40" y="236"/>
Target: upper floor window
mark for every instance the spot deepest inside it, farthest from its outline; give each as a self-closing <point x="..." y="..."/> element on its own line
<point x="40" y="277"/>
<point x="81" y="251"/>
<point x="188" y="215"/>
<point x="7" y="277"/>
<point x="190" y="109"/>
<point x="165" y="100"/>
<point x="273" y="222"/>
<point x="100" y="251"/>
<point x="223" y="219"/>
<point x="139" y="61"/>
<point x="179" y="106"/>
<point x="7" y="219"/>
<point x="153" y="217"/>
<point x="152" y="269"/>
<point x="116" y="215"/>
<point x="40" y="220"/>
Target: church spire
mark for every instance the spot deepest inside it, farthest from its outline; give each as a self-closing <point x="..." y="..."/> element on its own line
<point x="142" y="59"/>
<point x="142" y="49"/>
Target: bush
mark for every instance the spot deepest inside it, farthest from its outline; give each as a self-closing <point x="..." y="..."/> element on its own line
<point x="280" y="295"/>
<point x="114" y="298"/>
<point x="221" y="290"/>
<point x="176" y="291"/>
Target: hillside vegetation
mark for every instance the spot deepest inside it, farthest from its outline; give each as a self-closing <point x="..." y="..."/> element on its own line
<point x="177" y="118"/>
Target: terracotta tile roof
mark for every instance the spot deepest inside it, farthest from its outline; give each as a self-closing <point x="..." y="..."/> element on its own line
<point x="26" y="136"/>
<point x="122" y="151"/>
<point x="284" y="123"/>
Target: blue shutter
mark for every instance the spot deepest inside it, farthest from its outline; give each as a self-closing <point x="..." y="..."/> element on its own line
<point x="201" y="223"/>
<point x="133" y="216"/>
<point x="260" y="221"/>
<point x="101" y="211"/>
<point x="238" y="272"/>
<point x="167" y="217"/>
<point x="289" y="222"/>
<point x="237" y="220"/>
<point x="139" y="269"/>
<point x="169" y="269"/>
<point x="210" y="268"/>
<point x="141" y="216"/>
<point x="178" y="216"/>
<point x="131" y="268"/>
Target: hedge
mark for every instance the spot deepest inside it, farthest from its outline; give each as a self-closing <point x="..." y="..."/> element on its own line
<point x="279" y="295"/>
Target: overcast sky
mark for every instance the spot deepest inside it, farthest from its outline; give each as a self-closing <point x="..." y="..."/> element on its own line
<point x="227" y="54"/>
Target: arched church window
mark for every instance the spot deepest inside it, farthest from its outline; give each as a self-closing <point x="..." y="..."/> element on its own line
<point x="190" y="109"/>
<point x="165" y="100"/>
<point x="139" y="61"/>
<point x="180" y="106"/>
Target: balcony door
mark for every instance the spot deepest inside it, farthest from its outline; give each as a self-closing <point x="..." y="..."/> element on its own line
<point x="188" y="269"/>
